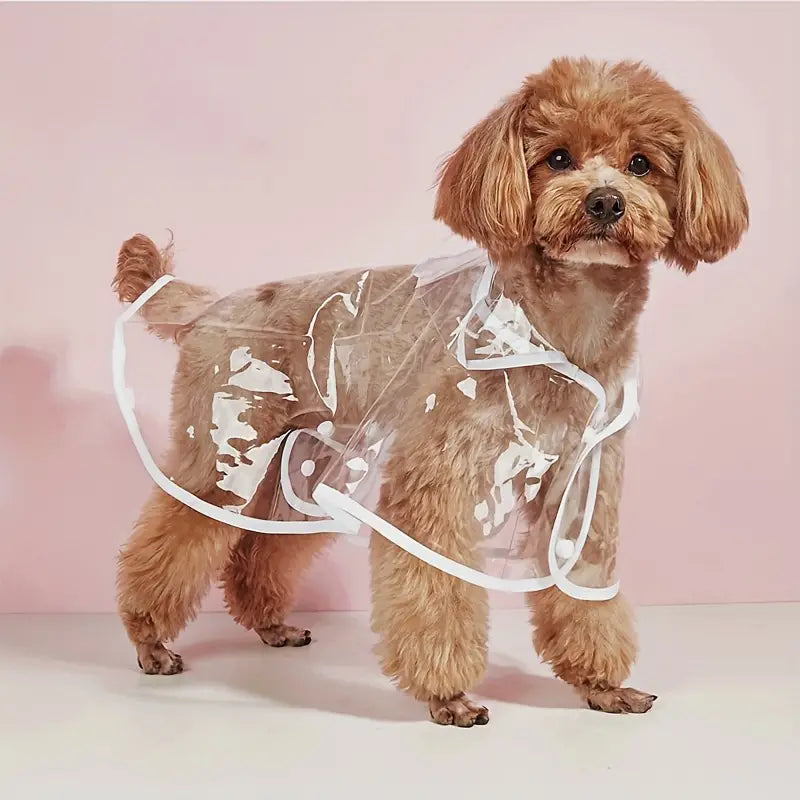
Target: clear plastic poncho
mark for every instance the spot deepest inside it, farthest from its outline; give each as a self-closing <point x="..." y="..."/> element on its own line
<point x="353" y="401"/>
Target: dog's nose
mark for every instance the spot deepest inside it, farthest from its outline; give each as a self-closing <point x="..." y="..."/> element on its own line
<point x="605" y="205"/>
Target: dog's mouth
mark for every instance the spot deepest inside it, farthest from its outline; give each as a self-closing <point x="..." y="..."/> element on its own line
<point x="596" y="248"/>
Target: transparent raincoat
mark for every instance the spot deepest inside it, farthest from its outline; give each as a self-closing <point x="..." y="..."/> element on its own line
<point x="331" y="403"/>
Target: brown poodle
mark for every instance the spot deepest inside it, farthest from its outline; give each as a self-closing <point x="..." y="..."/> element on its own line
<point x="574" y="185"/>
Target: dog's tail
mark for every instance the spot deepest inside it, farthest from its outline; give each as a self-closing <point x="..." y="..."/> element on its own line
<point x="171" y="310"/>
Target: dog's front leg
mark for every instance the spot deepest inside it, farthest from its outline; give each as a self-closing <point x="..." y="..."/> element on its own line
<point x="592" y="644"/>
<point x="433" y="632"/>
<point x="432" y="626"/>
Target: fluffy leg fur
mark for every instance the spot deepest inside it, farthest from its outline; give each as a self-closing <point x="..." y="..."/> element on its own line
<point x="260" y="581"/>
<point x="164" y="571"/>
<point x="432" y="626"/>
<point x="589" y="644"/>
<point x="433" y="631"/>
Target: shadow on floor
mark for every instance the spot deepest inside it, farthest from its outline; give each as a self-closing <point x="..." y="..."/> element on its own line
<point x="337" y="673"/>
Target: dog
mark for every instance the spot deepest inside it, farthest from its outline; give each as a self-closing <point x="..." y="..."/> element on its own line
<point x="574" y="185"/>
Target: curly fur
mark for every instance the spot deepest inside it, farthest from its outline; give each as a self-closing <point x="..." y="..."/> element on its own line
<point x="585" y="284"/>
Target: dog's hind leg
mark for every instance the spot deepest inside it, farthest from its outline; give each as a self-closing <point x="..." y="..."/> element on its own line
<point x="164" y="571"/>
<point x="260" y="581"/>
<point x="264" y="569"/>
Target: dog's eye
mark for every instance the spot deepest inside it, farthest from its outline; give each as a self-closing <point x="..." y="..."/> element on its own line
<point x="639" y="166"/>
<point x="559" y="159"/>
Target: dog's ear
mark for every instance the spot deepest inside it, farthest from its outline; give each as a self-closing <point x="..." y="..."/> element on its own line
<point x="711" y="212"/>
<point x="484" y="194"/>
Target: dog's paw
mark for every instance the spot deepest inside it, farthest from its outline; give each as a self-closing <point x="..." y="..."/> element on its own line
<point x="620" y="701"/>
<point x="283" y="635"/>
<point x="459" y="711"/>
<point x="155" y="659"/>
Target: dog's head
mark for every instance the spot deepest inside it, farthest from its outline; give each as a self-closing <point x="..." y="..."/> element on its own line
<point x="595" y="164"/>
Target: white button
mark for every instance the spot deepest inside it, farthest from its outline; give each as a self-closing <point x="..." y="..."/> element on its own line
<point x="307" y="468"/>
<point x="325" y="428"/>
<point x="565" y="548"/>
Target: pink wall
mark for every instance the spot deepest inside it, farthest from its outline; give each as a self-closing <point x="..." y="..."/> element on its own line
<point x="280" y="139"/>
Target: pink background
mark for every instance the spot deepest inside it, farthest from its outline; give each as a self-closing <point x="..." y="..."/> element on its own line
<point x="281" y="139"/>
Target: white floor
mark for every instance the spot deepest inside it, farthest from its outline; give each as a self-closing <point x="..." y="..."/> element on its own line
<point x="249" y="721"/>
